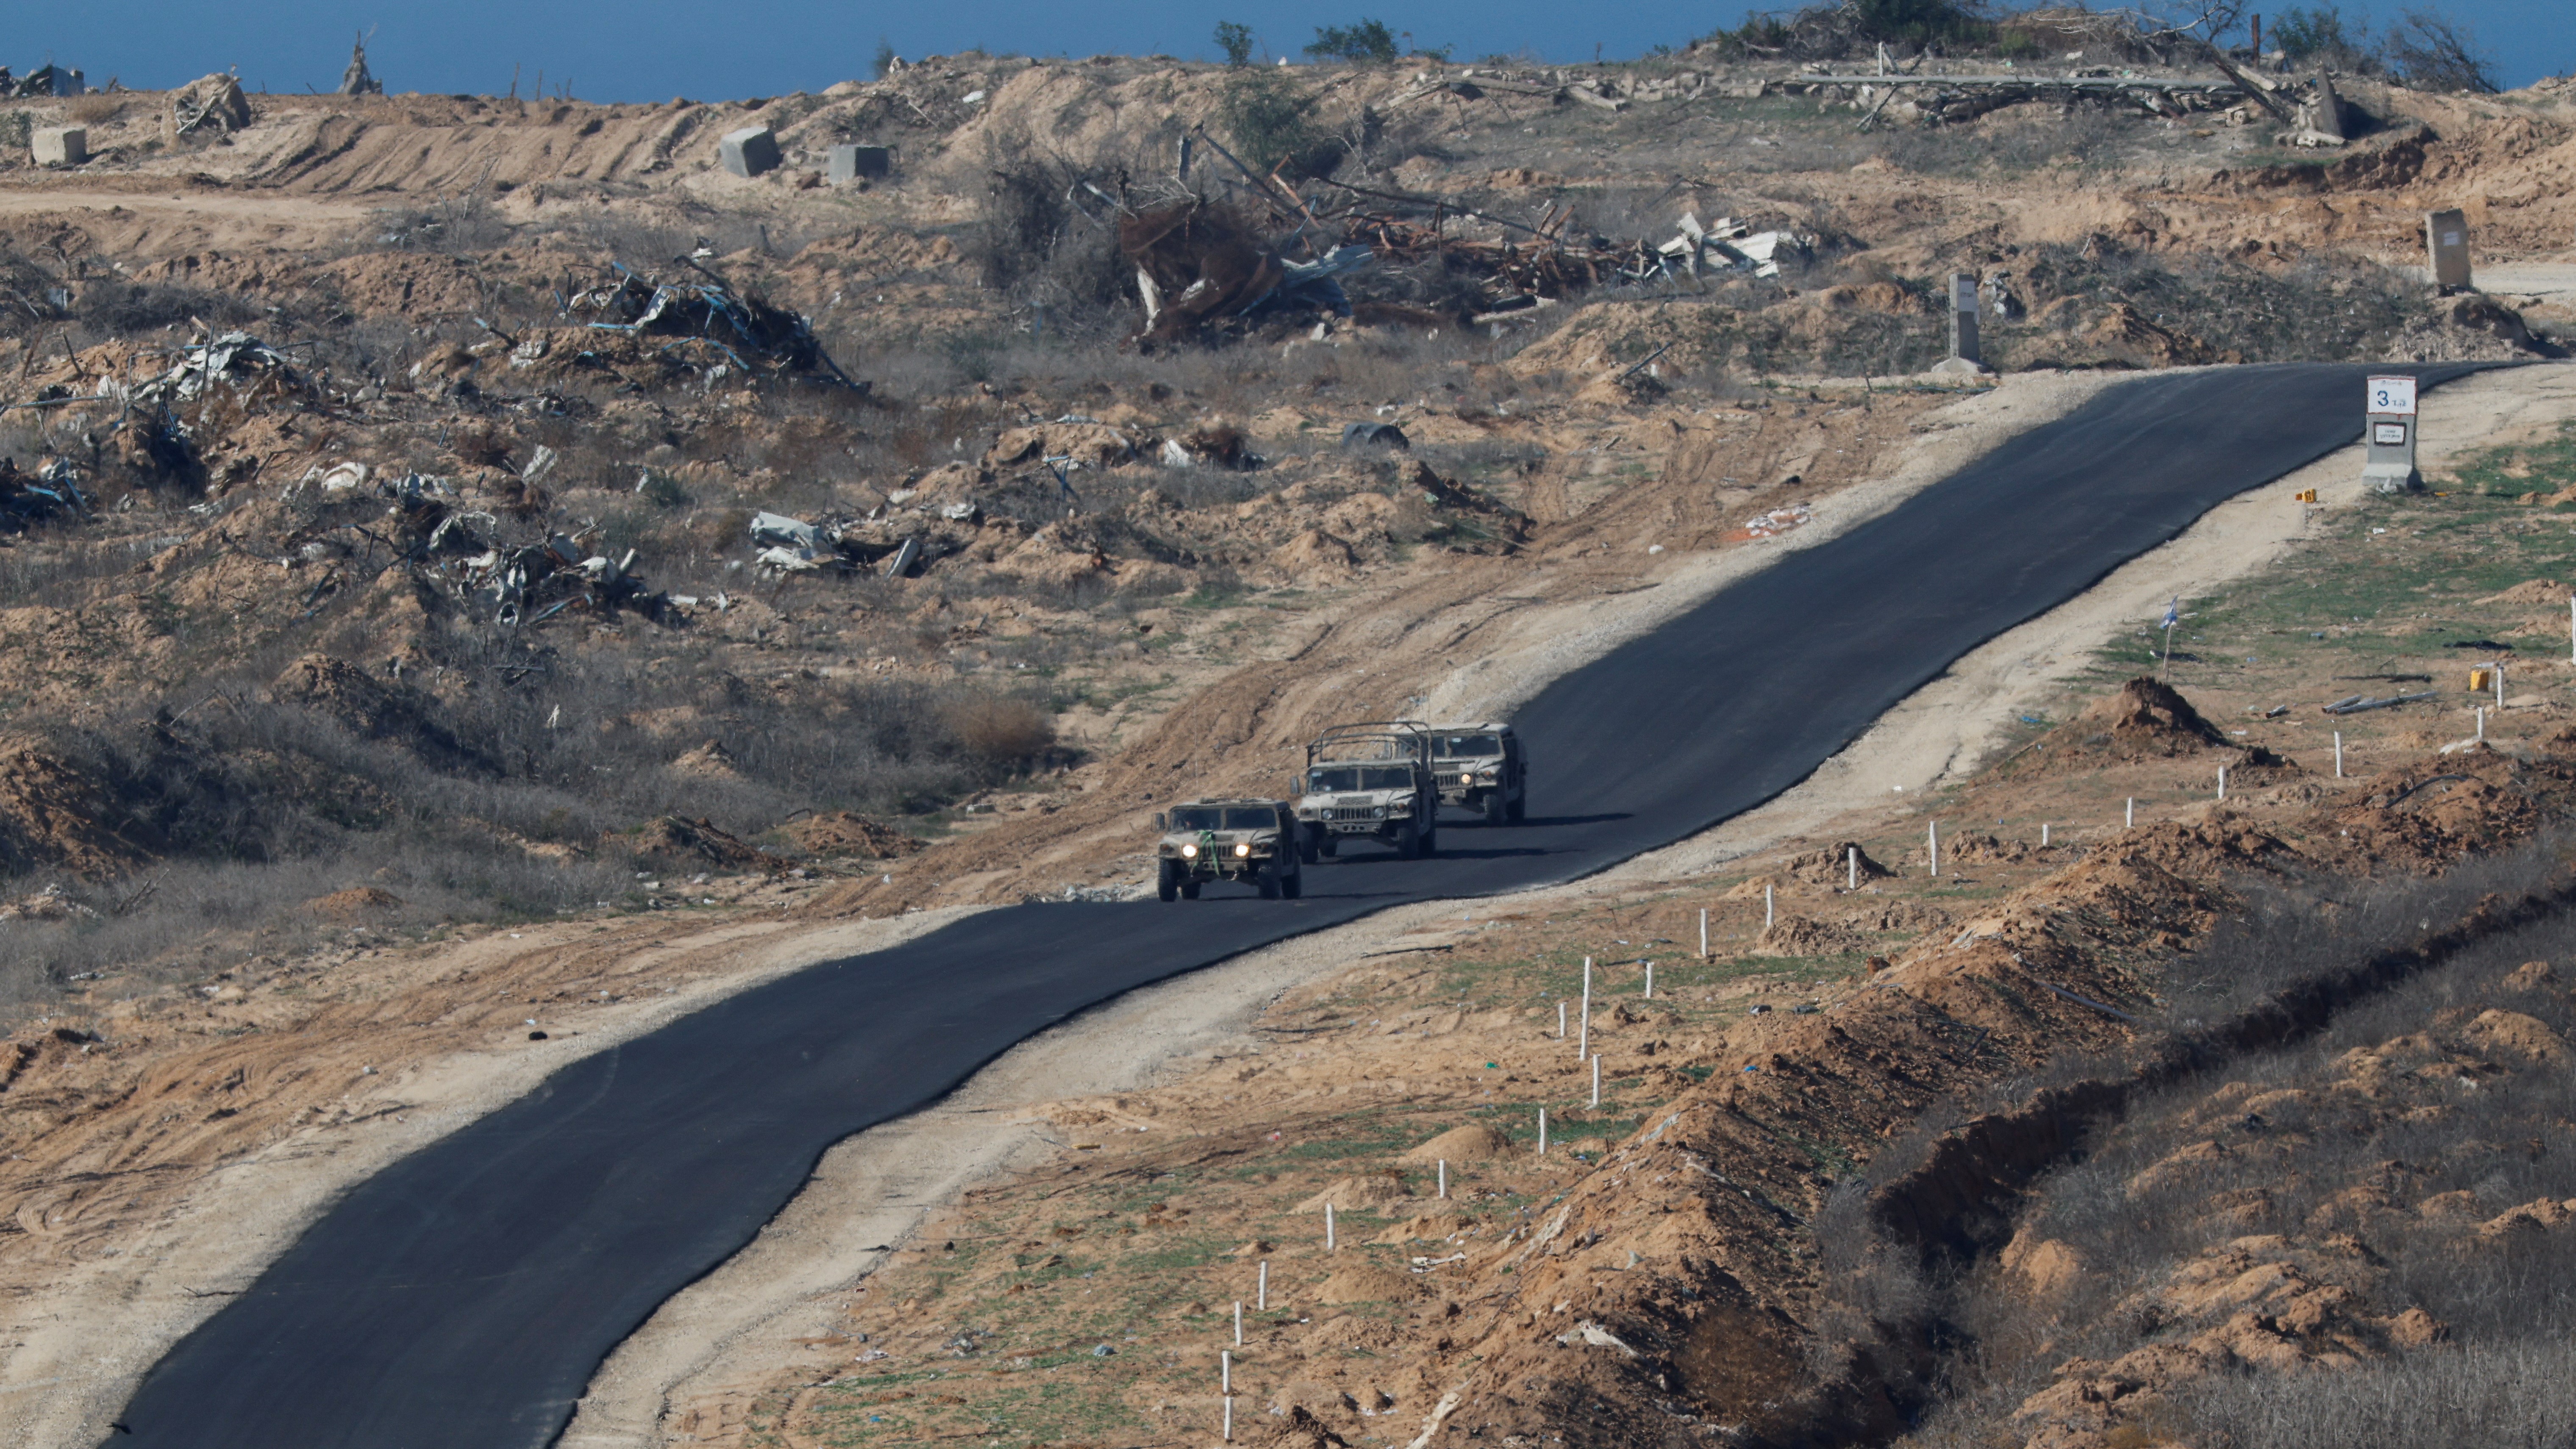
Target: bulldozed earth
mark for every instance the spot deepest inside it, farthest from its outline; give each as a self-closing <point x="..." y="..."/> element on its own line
<point x="478" y="578"/>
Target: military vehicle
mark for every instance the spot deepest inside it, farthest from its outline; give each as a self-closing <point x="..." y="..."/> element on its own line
<point x="1482" y="767"/>
<point x="1370" y="781"/>
<point x="1251" y="841"/>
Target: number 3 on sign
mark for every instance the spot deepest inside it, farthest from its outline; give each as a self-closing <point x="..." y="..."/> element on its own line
<point x="2392" y="396"/>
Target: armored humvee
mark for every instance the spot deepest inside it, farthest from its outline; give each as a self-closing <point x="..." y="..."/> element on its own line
<point x="1369" y="781"/>
<point x="1252" y="841"/>
<point x="1482" y="767"/>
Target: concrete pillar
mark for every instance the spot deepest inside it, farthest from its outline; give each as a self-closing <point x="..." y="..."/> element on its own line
<point x="2388" y="436"/>
<point x="854" y="163"/>
<point x="1964" y="353"/>
<point x="60" y="146"/>
<point x="749" y="151"/>
<point x="2446" y="241"/>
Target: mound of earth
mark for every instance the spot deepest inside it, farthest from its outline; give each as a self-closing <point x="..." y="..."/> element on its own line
<point x="2532" y="591"/>
<point x="1832" y="866"/>
<point x="1363" y="1193"/>
<point x="1474" y="1142"/>
<point x="2145" y="717"/>
<point x="1801" y="936"/>
<point x="53" y="814"/>
<point x="362" y="704"/>
<point x="350" y="904"/>
<point x="674" y="837"/>
<point x="838" y="832"/>
<point x="1366" y="1283"/>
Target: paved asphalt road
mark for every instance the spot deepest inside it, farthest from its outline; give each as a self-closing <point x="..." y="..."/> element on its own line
<point x="464" y="1296"/>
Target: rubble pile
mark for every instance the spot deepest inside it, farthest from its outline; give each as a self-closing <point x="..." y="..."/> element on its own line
<point x="711" y="320"/>
<point x="52" y="491"/>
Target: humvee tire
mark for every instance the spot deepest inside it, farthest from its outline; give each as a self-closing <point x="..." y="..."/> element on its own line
<point x="1167" y="881"/>
<point x="1497" y="809"/>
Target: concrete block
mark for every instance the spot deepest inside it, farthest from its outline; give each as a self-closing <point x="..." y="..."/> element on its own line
<point x="852" y="163"/>
<point x="749" y="151"/>
<point x="60" y="145"/>
<point x="2446" y="238"/>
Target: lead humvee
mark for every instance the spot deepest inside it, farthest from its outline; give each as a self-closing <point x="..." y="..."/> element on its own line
<point x="1252" y="841"/>
<point x="1369" y="781"/>
<point x="1482" y="767"/>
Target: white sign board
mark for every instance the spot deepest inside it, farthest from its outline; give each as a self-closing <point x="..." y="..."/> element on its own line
<point x="2392" y="397"/>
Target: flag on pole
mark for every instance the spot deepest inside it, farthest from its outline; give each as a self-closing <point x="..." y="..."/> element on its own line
<point x="2173" y="613"/>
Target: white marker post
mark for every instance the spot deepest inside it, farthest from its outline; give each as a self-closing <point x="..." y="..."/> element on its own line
<point x="1703" y="911"/>
<point x="1851" y="868"/>
<point x="1328" y="1227"/>
<point x="1444" y="1177"/>
<point x="1229" y="1420"/>
<point x="1560" y="1019"/>
<point x="2499" y="684"/>
<point x="1542" y="1132"/>
<point x="1224" y="1372"/>
<point x="2129" y="821"/>
<point x="1238" y="1323"/>
<point x="1650" y="981"/>
<point x="2222" y="782"/>
<point x="2338" y="734"/>
<point x="2043" y="834"/>
<point x="1261" y="1289"/>
<point x="1934" y="835"/>
<point x="1766" y="905"/>
<point x="1596" y="1079"/>
<point x="2482" y="724"/>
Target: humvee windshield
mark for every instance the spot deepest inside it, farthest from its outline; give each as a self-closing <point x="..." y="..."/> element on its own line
<point x="1358" y="777"/>
<point x="1233" y="817"/>
<point x="1466" y="747"/>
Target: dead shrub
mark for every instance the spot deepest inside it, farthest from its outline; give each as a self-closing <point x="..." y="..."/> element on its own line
<point x="1001" y="733"/>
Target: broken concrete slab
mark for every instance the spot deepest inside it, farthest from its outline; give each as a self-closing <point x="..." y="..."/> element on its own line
<point x="60" y="145"/>
<point x="858" y="163"/>
<point x="749" y="151"/>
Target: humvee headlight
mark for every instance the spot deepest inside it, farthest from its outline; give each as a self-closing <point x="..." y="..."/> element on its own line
<point x="1469" y="778"/>
<point x="1190" y="852"/>
<point x="1243" y="847"/>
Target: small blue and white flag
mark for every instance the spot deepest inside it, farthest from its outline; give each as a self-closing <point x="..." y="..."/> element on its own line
<point x="2173" y="613"/>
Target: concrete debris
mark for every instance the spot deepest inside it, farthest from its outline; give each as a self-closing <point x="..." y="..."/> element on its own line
<point x="232" y="357"/>
<point x="846" y="164"/>
<point x="1200" y="264"/>
<point x="59" y="146"/>
<point x="741" y="327"/>
<point x="1727" y="245"/>
<point x="1374" y="435"/>
<point x="851" y="546"/>
<point x="357" y="80"/>
<point x="749" y="151"/>
<point x="52" y="491"/>
<point x="338" y="478"/>
<point x="520" y="584"/>
<point x="44" y="80"/>
<point x="212" y="105"/>
<point x="1937" y="100"/>
<point x="2357" y="703"/>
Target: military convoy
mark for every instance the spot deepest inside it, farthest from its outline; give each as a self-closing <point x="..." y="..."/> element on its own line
<point x="1250" y="841"/>
<point x="1379" y="782"/>
<point x="1370" y="782"/>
